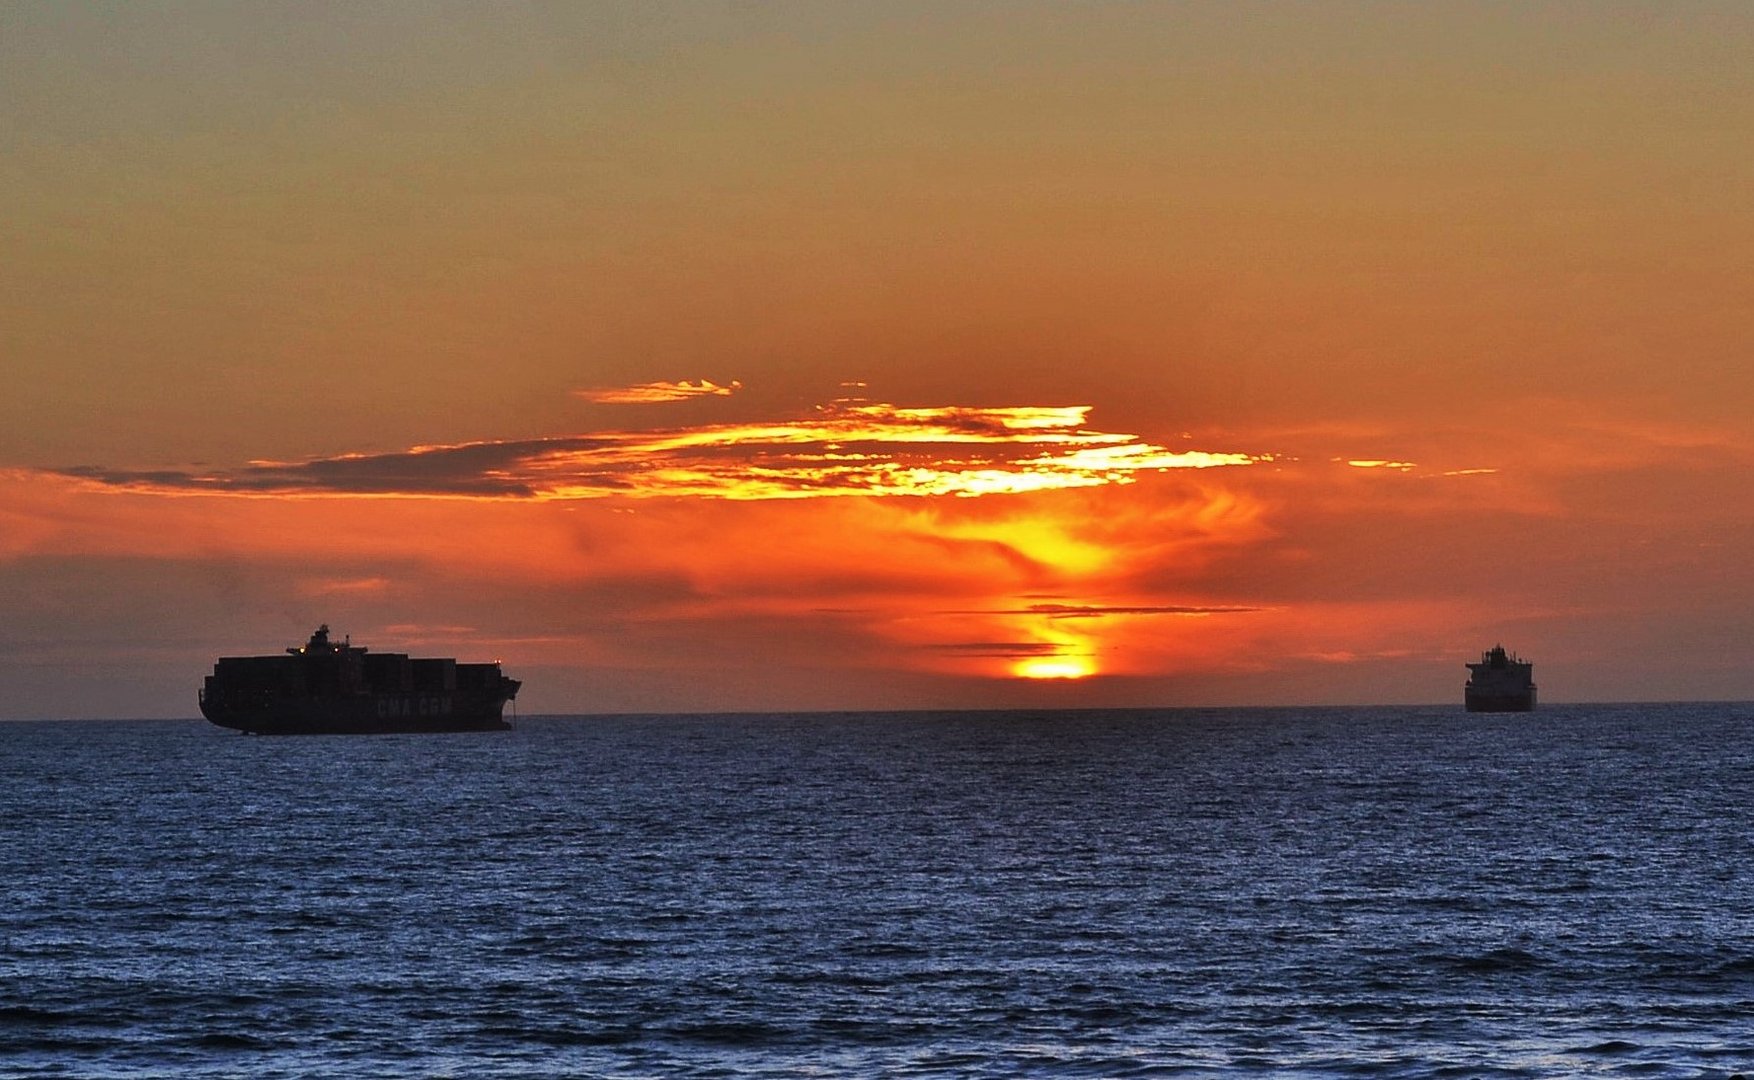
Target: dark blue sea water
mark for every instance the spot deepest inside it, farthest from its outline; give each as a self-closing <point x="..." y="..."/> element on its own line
<point x="1285" y="892"/>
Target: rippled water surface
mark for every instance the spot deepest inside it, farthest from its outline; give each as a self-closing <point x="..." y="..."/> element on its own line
<point x="1374" y="892"/>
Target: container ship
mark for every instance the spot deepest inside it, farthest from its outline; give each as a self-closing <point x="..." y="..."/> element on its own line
<point x="325" y="688"/>
<point x="1500" y="682"/>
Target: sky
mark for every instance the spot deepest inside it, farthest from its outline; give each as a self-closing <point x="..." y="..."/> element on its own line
<point x="722" y="357"/>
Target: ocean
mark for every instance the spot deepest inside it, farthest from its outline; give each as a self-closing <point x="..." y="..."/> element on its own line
<point x="1373" y="892"/>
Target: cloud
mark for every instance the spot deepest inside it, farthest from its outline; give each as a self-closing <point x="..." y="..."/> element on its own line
<point x="1259" y="577"/>
<point x="345" y="586"/>
<point x="1089" y="611"/>
<point x="1094" y="611"/>
<point x="848" y="448"/>
<point x="653" y="392"/>
<point x="998" y="649"/>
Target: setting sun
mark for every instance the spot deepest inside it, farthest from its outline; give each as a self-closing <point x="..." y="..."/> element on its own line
<point x="1054" y="667"/>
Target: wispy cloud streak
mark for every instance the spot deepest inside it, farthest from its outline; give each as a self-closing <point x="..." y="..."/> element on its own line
<point x="1092" y="611"/>
<point x="845" y="449"/>
<point x="655" y="392"/>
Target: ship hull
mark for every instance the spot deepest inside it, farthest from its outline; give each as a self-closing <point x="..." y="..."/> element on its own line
<point x="1517" y="702"/>
<point x="361" y="714"/>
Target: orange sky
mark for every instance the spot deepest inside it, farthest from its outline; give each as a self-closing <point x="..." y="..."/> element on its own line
<point x="879" y="356"/>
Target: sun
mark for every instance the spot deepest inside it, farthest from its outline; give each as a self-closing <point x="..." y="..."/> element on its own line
<point x="1054" y="667"/>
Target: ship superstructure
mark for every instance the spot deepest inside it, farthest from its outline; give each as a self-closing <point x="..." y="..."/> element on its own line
<point x="323" y="687"/>
<point x="1500" y="682"/>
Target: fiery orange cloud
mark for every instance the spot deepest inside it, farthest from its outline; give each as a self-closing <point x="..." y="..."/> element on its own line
<point x="1121" y="571"/>
<point x="656" y="392"/>
<point x="921" y="577"/>
<point x="846" y="449"/>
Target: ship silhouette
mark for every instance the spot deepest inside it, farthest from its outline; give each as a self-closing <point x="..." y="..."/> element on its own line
<point x="325" y="688"/>
<point x="1500" y="682"/>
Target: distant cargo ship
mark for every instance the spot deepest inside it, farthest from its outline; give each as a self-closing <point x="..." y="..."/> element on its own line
<point x="1500" y="682"/>
<point x="322" y="688"/>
